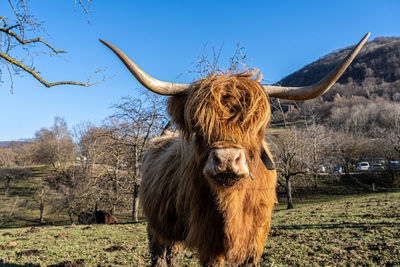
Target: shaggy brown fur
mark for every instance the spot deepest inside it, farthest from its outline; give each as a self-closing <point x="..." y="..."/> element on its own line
<point x="224" y="225"/>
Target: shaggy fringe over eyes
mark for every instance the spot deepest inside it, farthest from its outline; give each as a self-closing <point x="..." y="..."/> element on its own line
<point x="225" y="107"/>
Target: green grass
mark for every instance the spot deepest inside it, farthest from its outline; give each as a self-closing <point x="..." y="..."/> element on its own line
<point x="20" y="208"/>
<point x="121" y="245"/>
<point x="354" y="230"/>
<point x="346" y="230"/>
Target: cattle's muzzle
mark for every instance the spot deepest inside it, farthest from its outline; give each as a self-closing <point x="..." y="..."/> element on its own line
<point x="226" y="166"/>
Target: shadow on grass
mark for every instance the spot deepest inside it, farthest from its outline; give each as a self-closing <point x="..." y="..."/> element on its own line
<point x="20" y="191"/>
<point x="26" y="223"/>
<point x="18" y="265"/>
<point x="19" y="222"/>
<point x="138" y="222"/>
<point x="338" y="226"/>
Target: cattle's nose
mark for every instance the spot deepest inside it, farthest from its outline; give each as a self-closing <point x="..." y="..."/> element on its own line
<point x="226" y="160"/>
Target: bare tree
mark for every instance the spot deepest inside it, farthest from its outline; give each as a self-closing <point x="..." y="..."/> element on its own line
<point x="54" y="146"/>
<point x="8" y="157"/>
<point x="389" y="138"/>
<point x="346" y="148"/>
<point x="113" y="162"/>
<point x="393" y="134"/>
<point x="209" y="63"/>
<point x="143" y="119"/>
<point x="289" y="157"/>
<point x="89" y="139"/>
<point x="42" y="194"/>
<point x="7" y="174"/>
<point x="8" y="160"/>
<point x="289" y="148"/>
<point x="21" y="40"/>
<point x="316" y="138"/>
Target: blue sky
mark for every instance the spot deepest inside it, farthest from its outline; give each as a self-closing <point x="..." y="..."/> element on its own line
<point x="165" y="37"/>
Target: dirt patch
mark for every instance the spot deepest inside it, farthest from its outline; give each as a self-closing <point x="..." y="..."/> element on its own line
<point x="10" y="245"/>
<point x="77" y="263"/>
<point x="379" y="246"/>
<point x="31" y="252"/>
<point x="276" y="232"/>
<point x="371" y="227"/>
<point x="392" y="213"/>
<point x="33" y="230"/>
<point x="114" y="248"/>
<point x="351" y="248"/>
<point x="7" y="234"/>
<point x="64" y="235"/>
<point x="21" y="234"/>
<point x="369" y="216"/>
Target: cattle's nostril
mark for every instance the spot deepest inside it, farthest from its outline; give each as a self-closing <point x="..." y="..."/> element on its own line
<point x="238" y="158"/>
<point x="216" y="159"/>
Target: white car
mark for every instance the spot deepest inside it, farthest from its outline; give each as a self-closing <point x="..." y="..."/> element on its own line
<point x="362" y="166"/>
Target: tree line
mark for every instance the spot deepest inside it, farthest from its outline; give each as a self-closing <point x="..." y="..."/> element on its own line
<point x="90" y="167"/>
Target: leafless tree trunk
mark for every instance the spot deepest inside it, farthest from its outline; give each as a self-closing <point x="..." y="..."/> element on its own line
<point x="71" y="217"/>
<point x="7" y="185"/>
<point x="41" y="207"/>
<point x="289" y="192"/>
<point x="135" y="204"/>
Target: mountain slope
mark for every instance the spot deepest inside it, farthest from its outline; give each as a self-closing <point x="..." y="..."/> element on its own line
<point x="376" y="69"/>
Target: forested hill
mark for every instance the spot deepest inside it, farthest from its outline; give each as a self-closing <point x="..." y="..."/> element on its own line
<point x="375" y="72"/>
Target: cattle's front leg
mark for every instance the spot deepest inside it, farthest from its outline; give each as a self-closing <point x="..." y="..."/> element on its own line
<point x="173" y="254"/>
<point x="158" y="252"/>
<point x="215" y="262"/>
<point x="251" y="262"/>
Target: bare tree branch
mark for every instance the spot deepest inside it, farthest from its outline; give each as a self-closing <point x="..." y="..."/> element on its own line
<point x="23" y="22"/>
<point x="24" y="42"/>
<point x="34" y="73"/>
<point x="85" y="8"/>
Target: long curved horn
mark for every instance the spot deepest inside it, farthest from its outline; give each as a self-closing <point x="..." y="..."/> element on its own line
<point x="312" y="91"/>
<point x="154" y="85"/>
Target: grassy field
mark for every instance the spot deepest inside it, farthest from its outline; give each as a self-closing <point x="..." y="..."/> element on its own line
<point x="334" y="231"/>
<point x="21" y="208"/>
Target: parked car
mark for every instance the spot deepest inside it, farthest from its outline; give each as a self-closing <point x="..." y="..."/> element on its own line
<point x="394" y="165"/>
<point x="377" y="167"/>
<point x="362" y="166"/>
<point x="337" y="170"/>
<point x="322" y="169"/>
<point x="381" y="161"/>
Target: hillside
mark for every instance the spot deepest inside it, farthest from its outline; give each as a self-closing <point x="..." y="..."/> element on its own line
<point x="16" y="143"/>
<point x="4" y="143"/>
<point x="376" y="68"/>
<point x="365" y="100"/>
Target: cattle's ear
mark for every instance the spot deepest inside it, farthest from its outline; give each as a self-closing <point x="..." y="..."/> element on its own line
<point x="176" y="109"/>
